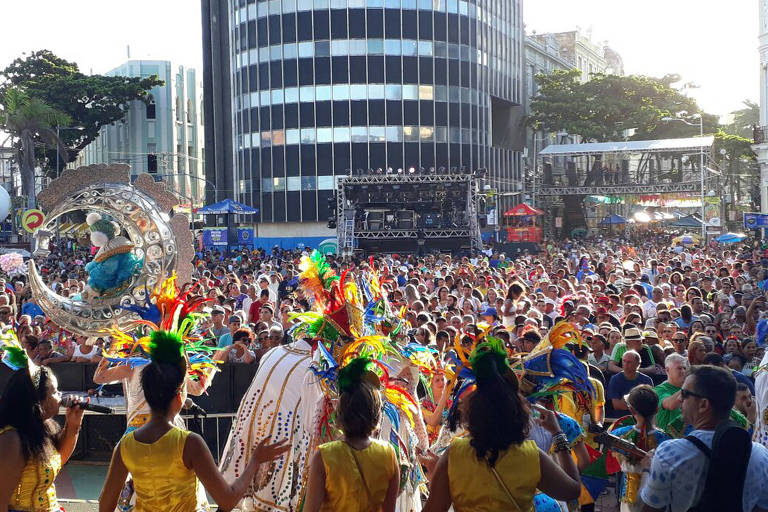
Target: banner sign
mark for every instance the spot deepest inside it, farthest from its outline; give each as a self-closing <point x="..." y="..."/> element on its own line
<point x="245" y="237"/>
<point x="31" y="220"/>
<point x="215" y="237"/>
<point x="755" y="220"/>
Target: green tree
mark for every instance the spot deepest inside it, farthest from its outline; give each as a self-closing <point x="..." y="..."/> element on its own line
<point x="90" y="101"/>
<point x="744" y="119"/>
<point x="603" y="108"/>
<point x="30" y="121"/>
<point x="734" y="156"/>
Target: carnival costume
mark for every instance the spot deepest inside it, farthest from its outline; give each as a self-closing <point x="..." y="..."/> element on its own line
<point x="171" y="311"/>
<point x="292" y="393"/>
<point x="36" y="491"/>
<point x="547" y="372"/>
<point x="633" y="477"/>
<point x="357" y="479"/>
<point x="160" y="478"/>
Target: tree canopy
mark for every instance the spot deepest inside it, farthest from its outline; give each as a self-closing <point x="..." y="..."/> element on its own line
<point x="90" y="101"/>
<point x="604" y="107"/>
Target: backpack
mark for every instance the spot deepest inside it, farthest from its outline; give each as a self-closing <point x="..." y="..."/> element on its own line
<point x="728" y="460"/>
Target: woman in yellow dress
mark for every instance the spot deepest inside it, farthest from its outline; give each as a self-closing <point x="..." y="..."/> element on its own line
<point x="495" y="469"/>
<point x="166" y="461"/>
<point x="357" y="473"/>
<point x="32" y="445"/>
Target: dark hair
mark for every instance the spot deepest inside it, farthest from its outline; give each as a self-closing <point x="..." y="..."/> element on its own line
<point x="21" y="408"/>
<point x="644" y="400"/>
<point x="742" y="387"/>
<point x="498" y="415"/>
<point x="244" y="334"/>
<point x="161" y="382"/>
<point x="717" y="385"/>
<point x="359" y="410"/>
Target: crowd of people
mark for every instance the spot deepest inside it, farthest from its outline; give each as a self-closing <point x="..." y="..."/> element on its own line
<point x="672" y="337"/>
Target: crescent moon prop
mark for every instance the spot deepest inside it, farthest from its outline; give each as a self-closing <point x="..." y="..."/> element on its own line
<point x="144" y="212"/>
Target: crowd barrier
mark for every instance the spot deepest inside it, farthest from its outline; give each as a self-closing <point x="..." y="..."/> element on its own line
<point x="100" y="433"/>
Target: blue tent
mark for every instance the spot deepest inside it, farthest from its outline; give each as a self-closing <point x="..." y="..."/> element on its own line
<point x="731" y="238"/>
<point x="685" y="222"/>
<point x="227" y="206"/>
<point x="613" y="219"/>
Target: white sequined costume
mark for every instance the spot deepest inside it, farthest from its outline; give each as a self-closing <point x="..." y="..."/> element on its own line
<point x="284" y="401"/>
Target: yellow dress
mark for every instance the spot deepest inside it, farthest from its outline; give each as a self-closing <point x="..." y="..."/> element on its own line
<point x="475" y="488"/>
<point x="36" y="492"/>
<point x="344" y="487"/>
<point x="160" y="478"/>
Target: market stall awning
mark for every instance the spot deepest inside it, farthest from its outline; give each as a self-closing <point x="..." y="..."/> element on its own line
<point x="630" y="146"/>
<point x="522" y="209"/>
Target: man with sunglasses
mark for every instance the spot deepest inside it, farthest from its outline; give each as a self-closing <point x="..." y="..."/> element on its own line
<point x="679" y="469"/>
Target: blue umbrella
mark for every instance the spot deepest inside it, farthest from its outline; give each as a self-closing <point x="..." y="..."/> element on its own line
<point x="227" y="206"/>
<point x="731" y="238"/>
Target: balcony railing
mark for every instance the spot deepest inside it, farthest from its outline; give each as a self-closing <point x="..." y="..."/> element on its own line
<point x="760" y="134"/>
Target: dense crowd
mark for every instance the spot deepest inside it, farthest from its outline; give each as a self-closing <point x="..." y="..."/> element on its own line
<point x="648" y="313"/>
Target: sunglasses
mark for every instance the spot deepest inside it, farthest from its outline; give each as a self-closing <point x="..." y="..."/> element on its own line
<point x="685" y="394"/>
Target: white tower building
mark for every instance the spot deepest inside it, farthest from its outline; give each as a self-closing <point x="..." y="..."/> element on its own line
<point x="761" y="133"/>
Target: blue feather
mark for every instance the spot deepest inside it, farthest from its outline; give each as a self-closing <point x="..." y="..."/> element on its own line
<point x="761" y="332"/>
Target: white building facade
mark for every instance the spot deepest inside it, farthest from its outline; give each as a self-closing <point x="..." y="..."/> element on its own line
<point x="761" y="132"/>
<point x="164" y="137"/>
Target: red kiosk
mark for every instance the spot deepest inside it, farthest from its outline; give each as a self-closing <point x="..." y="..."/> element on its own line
<point x="520" y="223"/>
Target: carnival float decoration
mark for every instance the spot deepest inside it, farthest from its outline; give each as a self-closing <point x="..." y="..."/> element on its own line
<point x="140" y="242"/>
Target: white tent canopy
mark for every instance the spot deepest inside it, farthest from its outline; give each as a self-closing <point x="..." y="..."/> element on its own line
<point x="631" y="146"/>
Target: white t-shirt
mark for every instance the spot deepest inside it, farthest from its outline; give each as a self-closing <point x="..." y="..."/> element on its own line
<point x="679" y="472"/>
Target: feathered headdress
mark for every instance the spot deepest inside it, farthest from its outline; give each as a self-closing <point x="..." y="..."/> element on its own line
<point x="176" y="322"/>
<point x="15" y="357"/>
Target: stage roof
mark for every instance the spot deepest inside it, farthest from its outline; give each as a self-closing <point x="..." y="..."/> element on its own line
<point x="630" y="146"/>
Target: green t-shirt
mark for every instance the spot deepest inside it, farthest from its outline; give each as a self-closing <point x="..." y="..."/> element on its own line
<point x="670" y="422"/>
<point x="646" y="355"/>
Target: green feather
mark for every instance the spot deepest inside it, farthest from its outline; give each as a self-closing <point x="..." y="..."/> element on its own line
<point x="351" y="375"/>
<point x="166" y="347"/>
<point x="326" y="273"/>
<point x="487" y="352"/>
<point x="15" y="357"/>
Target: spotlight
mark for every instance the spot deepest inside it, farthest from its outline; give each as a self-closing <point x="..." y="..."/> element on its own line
<point x="411" y="170"/>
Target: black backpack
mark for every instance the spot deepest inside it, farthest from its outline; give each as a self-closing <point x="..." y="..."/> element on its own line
<point x="728" y="460"/>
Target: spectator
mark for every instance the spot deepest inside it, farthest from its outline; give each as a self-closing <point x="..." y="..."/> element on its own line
<point x="679" y="469"/>
<point x="745" y="403"/>
<point x="715" y="359"/>
<point x="623" y="382"/>
<point x="239" y="351"/>
<point x="234" y="323"/>
<point x="218" y="329"/>
<point x="669" y="418"/>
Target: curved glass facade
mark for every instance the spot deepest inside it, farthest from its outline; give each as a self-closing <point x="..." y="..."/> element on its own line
<point x="325" y="86"/>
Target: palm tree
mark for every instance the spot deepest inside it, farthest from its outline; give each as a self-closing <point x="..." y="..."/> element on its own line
<point x="30" y="121"/>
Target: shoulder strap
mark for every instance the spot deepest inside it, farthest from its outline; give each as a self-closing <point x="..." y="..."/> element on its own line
<point x="698" y="443"/>
<point x="362" y="476"/>
<point x="506" y="489"/>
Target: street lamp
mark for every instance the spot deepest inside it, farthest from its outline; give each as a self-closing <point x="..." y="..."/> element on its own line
<point x="701" y="164"/>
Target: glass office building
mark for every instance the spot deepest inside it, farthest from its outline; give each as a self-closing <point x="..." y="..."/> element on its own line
<point x="322" y="87"/>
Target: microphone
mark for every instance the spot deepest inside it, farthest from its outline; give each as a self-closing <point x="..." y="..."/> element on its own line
<point x="69" y="401"/>
<point x="196" y="410"/>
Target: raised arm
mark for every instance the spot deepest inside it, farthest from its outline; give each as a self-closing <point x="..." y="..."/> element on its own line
<point x="106" y="375"/>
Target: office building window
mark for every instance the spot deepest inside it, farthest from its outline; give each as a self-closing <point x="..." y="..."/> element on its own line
<point x="151" y="107"/>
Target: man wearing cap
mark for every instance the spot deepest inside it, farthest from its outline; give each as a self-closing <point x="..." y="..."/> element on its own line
<point x="633" y="340"/>
<point x="217" y="318"/>
<point x="234" y="324"/>
<point x="491" y="317"/>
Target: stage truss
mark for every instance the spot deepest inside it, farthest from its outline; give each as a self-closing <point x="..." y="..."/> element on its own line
<point x="348" y="235"/>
